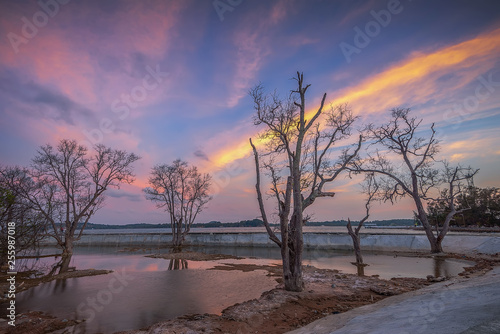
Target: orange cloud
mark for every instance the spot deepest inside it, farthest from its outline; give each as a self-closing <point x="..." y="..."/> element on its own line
<point x="477" y="145"/>
<point x="413" y="80"/>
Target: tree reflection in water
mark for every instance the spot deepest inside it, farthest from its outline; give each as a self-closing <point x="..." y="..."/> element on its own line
<point x="441" y="267"/>
<point x="178" y="264"/>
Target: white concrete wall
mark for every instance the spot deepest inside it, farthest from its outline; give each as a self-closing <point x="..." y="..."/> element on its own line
<point x="488" y="244"/>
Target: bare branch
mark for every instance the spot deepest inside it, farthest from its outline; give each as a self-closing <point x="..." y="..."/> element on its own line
<point x="272" y="236"/>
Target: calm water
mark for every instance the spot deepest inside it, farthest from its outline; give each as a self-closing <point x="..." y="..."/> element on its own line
<point x="143" y="291"/>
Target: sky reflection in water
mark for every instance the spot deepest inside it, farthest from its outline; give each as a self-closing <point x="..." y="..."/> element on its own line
<point x="143" y="290"/>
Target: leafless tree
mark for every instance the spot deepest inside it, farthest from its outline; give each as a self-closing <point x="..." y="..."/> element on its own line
<point x="17" y="216"/>
<point x="455" y="180"/>
<point x="299" y="163"/>
<point x="181" y="191"/>
<point x="66" y="185"/>
<point x="371" y="189"/>
<point x="405" y="162"/>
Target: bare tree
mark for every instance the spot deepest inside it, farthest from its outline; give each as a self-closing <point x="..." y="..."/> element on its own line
<point x="371" y="189"/>
<point x="66" y="185"/>
<point x="17" y="217"/>
<point x="181" y="191"/>
<point x="299" y="164"/>
<point x="455" y="181"/>
<point x="404" y="161"/>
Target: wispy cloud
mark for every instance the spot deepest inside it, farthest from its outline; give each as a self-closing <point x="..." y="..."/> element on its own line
<point x="435" y="75"/>
<point x="123" y="194"/>
<point x="39" y="101"/>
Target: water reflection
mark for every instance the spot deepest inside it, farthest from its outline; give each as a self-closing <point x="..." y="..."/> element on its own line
<point x="178" y="264"/>
<point x="161" y="289"/>
<point x="149" y="297"/>
<point x="442" y="267"/>
<point x="388" y="266"/>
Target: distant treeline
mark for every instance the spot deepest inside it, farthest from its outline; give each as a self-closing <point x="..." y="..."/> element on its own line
<point x="390" y="222"/>
<point x="251" y="223"/>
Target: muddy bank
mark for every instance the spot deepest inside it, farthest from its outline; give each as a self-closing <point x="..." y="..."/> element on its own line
<point x="35" y="322"/>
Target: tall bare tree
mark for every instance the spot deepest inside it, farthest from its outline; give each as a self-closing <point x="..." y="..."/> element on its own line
<point x="181" y="191"/>
<point x="67" y="184"/>
<point x="299" y="163"/>
<point x="405" y="161"/>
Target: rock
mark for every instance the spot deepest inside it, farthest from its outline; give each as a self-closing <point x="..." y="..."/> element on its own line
<point x="431" y="278"/>
<point x="384" y="291"/>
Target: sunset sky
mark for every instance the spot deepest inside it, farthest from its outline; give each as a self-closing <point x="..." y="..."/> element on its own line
<point x="170" y="79"/>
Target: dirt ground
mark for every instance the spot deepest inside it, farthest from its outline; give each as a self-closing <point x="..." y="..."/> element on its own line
<point x="276" y="311"/>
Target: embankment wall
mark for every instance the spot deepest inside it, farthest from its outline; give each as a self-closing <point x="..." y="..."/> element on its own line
<point x="458" y="243"/>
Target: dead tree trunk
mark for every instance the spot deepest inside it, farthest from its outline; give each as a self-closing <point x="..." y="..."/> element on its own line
<point x="371" y="187"/>
<point x="297" y="150"/>
<point x="355" y="241"/>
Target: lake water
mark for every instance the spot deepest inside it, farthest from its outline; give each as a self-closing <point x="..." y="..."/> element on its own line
<point x="142" y="291"/>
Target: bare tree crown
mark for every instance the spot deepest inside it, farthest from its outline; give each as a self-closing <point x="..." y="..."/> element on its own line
<point x="298" y="159"/>
<point x="67" y="185"/>
<point x="404" y="163"/>
<point x="181" y="191"/>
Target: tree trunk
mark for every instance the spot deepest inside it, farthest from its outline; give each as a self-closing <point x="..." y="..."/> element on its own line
<point x="177" y="244"/>
<point x="361" y="269"/>
<point x="438" y="247"/>
<point x="65" y="261"/>
<point x="434" y="242"/>
<point x="68" y="246"/>
<point x="356" y="243"/>
<point x="357" y="248"/>
<point x="179" y="234"/>
<point x="285" y="251"/>
<point x="176" y="236"/>
<point x="294" y="281"/>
